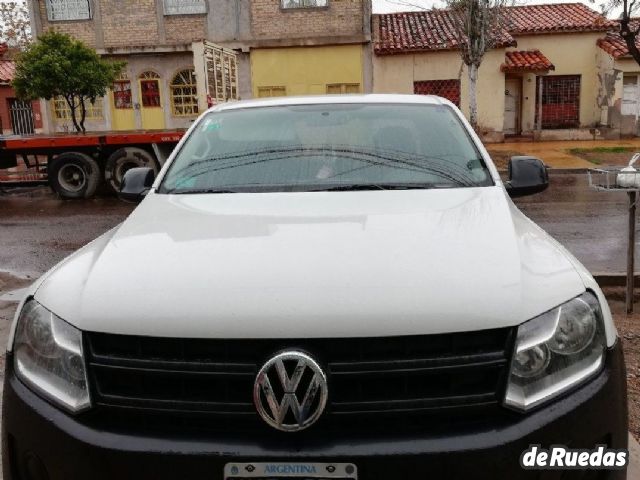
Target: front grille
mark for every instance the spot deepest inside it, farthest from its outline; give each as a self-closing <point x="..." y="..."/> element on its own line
<point x="402" y="379"/>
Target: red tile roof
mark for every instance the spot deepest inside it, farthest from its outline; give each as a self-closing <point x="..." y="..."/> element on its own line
<point x="416" y="31"/>
<point x="436" y="29"/>
<point x="7" y="67"/>
<point x="7" y="71"/>
<point x="613" y="43"/>
<point x="555" y="18"/>
<point x="526" y="61"/>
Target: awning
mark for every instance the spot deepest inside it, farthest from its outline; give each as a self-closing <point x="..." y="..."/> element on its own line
<point x="524" y="61"/>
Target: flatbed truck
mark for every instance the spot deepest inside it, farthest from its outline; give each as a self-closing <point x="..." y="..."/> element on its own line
<point x="75" y="165"/>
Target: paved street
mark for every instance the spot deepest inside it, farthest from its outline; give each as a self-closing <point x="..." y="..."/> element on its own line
<point x="591" y="224"/>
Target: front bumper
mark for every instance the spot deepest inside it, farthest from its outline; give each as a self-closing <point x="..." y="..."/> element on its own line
<point x="40" y="442"/>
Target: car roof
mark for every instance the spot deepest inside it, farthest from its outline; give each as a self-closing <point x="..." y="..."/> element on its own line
<point x="333" y="99"/>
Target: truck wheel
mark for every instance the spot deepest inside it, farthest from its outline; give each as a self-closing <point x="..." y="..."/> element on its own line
<point x="122" y="160"/>
<point x="74" y="175"/>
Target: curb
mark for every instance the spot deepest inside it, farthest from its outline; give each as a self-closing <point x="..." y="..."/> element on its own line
<point x="609" y="279"/>
<point x="557" y="171"/>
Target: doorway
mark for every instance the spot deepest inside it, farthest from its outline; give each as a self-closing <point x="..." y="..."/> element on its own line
<point x="512" y="103"/>
<point x="151" y="111"/>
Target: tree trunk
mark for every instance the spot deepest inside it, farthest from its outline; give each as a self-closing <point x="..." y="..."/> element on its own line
<point x="72" y="107"/>
<point x="83" y="109"/>
<point x="473" y="95"/>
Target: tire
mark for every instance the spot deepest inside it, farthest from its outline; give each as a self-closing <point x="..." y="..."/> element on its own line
<point x="74" y="175"/>
<point x="122" y="160"/>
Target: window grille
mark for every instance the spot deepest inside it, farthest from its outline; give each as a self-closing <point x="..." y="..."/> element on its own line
<point x="286" y="4"/>
<point x="339" y="88"/>
<point x="272" y="92"/>
<point x="184" y="94"/>
<point x="60" y="10"/>
<point x="184" y="7"/>
<point x="122" y="94"/>
<point x="150" y="89"/>
<point x="449" y="89"/>
<point x="62" y="112"/>
<point x="560" y="101"/>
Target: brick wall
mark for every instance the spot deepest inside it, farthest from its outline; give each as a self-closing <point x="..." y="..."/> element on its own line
<point x="185" y="28"/>
<point x="129" y="22"/>
<point x="340" y="18"/>
<point x="82" y="30"/>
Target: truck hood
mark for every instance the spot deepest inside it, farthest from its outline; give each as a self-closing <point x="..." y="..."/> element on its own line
<point x="321" y="264"/>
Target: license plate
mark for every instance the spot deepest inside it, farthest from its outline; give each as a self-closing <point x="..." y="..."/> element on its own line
<point x="286" y="470"/>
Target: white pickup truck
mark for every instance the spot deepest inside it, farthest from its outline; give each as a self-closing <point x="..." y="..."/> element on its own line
<point x="329" y="287"/>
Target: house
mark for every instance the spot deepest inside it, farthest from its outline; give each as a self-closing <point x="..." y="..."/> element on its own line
<point x="302" y="47"/>
<point x="281" y="47"/>
<point x="621" y="77"/>
<point x="542" y="77"/>
<point x="158" y="87"/>
<point x="16" y="116"/>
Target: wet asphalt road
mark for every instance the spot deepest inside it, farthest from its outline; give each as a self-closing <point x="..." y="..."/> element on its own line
<point x="37" y="230"/>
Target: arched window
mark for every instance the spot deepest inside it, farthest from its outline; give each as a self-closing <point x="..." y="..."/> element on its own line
<point x="184" y="94"/>
<point x="150" y="89"/>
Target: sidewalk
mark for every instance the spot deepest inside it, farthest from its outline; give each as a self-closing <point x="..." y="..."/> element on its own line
<point x="556" y="154"/>
<point x="633" y="471"/>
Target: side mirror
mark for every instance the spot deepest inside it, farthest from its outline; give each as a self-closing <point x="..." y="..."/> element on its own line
<point x="527" y="175"/>
<point x="135" y="184"/>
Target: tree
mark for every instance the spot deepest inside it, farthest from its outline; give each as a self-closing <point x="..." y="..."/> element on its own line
<point x="15" y="29"/>
<point x="480" y="26"/>
<point x="58" y="65"/>
<point x="629" y="26"/>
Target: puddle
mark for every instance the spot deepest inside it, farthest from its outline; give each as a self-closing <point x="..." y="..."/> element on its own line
<point x="14" y="295"/>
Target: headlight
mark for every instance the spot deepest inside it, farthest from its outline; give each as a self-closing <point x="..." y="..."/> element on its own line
<point x="47" y="356"/>
<point x="556" y="351"/>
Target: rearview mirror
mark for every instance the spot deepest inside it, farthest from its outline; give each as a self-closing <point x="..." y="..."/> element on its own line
<point x="136" y="183"/>
<point x="527" y="175"/>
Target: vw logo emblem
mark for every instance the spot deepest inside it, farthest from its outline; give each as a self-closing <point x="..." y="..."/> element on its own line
<point x="290" y="391"/>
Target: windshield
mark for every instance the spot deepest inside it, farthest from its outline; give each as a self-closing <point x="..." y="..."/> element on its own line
<point x="327" y="147"/>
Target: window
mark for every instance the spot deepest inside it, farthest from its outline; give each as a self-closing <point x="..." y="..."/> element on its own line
<point x="150" y="89"/>
<point x="184" y="7"/>
<point x="304" y="3"/>
<point x="337" y="88"/>
<point x="59" y="10"/>
<point x="630" y="95"/>
<point x="272" y="92"/>
<point x="62" y="112"/>
<point x="560" y="101"/>
<point x="449" y="89"/>
<point x="122" y="93"/>
<point x="184" y="94"/>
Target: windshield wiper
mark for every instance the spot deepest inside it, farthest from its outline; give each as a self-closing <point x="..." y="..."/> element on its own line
<point x="193" y="191"/>
<point x="379" y="186"/>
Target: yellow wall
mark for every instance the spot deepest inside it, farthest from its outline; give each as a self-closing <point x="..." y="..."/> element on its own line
<point x="306" y="70"/>
<point x="396" y="74"/>
<point x="571" y="54"/>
